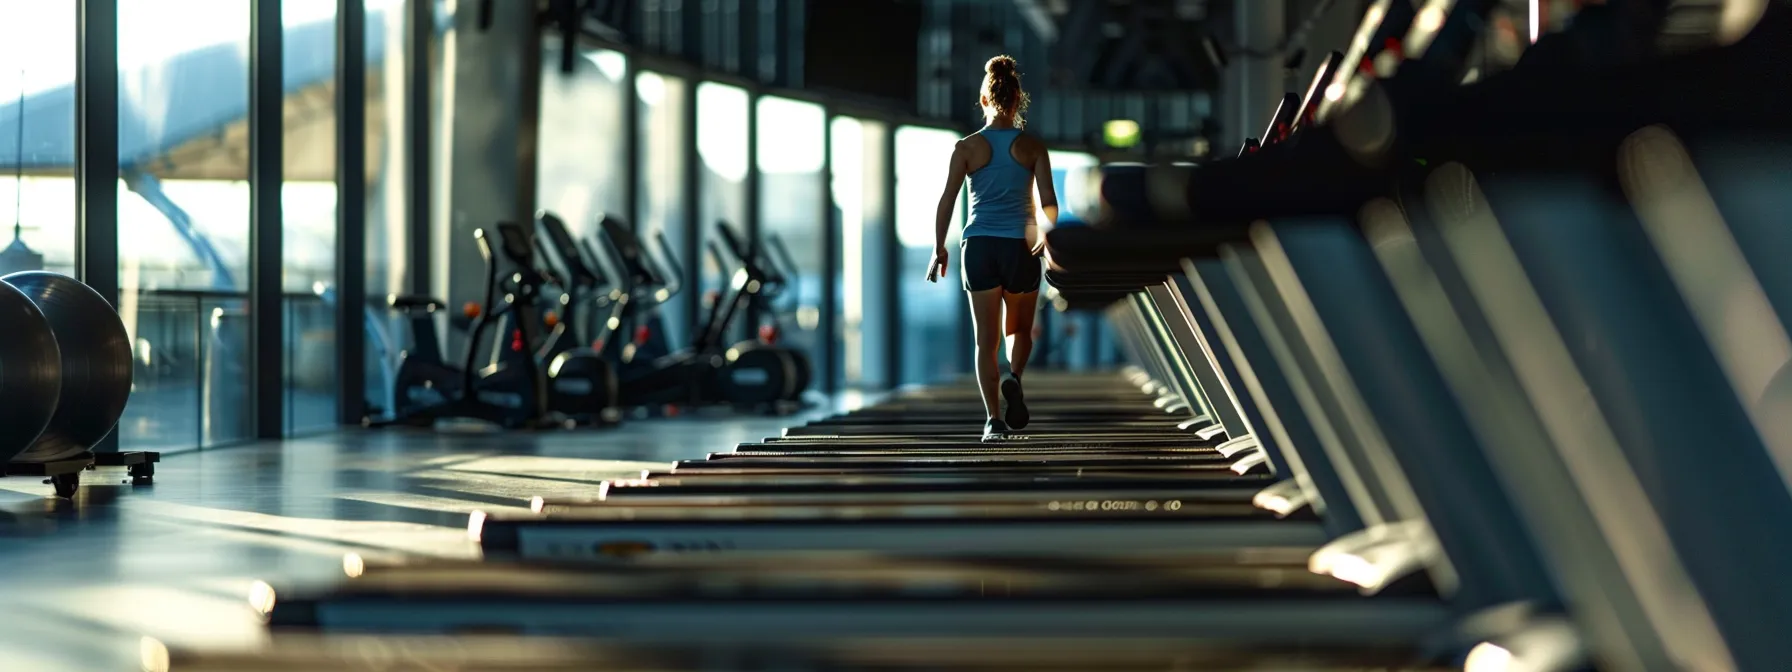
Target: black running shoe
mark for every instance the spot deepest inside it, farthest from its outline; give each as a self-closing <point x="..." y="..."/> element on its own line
<point x="1014" y="403"/>
<point x="994" y="430"/>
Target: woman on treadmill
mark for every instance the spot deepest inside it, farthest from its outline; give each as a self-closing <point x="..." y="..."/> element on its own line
<point x="1001" y="243"/>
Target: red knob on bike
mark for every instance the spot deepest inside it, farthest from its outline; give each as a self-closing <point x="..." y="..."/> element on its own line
<point x="768" y="334"/>
<point x="642" y="333"/>
<point x="516" y="341"/>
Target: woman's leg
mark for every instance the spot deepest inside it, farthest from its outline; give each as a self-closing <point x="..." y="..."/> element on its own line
<point x="1018" y="325"/>
<point x="986" y="322"/>
<point x="1020" y="310"/>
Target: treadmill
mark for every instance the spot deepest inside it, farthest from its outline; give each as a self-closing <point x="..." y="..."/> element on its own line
<point x="494" y="596"/>
<point x="778" y="652"/>
<point x="577" y="533"/>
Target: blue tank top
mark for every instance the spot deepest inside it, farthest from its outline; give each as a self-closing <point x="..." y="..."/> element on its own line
<point x="1002" y="191"/>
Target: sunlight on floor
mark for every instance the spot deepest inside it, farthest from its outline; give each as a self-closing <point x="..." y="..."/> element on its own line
<point x="524" y="465"/>
<point x="432" y="503"/>
<point x="396" y="536"/>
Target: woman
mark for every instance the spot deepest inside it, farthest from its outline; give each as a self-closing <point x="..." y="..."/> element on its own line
<point x="1001" y="246"/>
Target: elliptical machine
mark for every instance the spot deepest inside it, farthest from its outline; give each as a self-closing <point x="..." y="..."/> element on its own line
<point x="581" y="385"/>
<point x="642" y="286"/>
<point x="773" y="282"/>
<point x="745" y="374"/>
<point x="511" y="394"/>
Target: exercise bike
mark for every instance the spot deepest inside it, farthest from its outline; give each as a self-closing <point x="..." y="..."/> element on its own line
<point x="773" y="282"/>
<point x="744" y="374"/>
<point x="427" y="389"/>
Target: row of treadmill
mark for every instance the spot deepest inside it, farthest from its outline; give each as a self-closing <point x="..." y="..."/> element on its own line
<point x="1506" y="389"/>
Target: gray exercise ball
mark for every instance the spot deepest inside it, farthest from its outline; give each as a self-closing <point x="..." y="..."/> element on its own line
<point x="96" y="363"/>
<point x="30" y="372"/>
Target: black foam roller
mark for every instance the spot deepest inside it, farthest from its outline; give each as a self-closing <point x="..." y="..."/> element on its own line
<point x="30" y="372"/>
<point x="95" y="353"/>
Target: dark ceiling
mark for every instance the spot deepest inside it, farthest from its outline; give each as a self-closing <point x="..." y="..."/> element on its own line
<point x="1126" y="45"/>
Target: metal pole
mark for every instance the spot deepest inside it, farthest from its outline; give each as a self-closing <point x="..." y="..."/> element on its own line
<point x="419" y="32"/>
<point x="96" y="143"/>
<point x="892" y="287"/>
<point x="266" y="231"/>
<point x="753" y="227"/>
<point x="693" y="212"/>
<point x="631" y="122"/>
<point x="830" y="263"/>
<point x="351" y="211"/>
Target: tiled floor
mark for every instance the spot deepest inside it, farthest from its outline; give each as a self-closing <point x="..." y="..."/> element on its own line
<point x="83" y="581"/>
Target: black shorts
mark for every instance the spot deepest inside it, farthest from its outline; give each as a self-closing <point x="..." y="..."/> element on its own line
<point x="987" y="262"/>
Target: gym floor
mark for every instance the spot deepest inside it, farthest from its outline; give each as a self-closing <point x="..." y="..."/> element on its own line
<point x="86" y="579"/>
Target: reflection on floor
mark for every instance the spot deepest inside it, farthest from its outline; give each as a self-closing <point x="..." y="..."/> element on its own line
<point x="82" y="581"/>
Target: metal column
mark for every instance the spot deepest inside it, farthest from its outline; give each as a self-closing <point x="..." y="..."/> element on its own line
<point x="692" y="254"/>
<point x="830" y="264"/>
<point x="631" y="120"/>
<point x="267" y="312"/>
<point x="420" y="19"/>
<point x="892" y="292"/>
<point x="351" y="211"/>
<point x="752" y="227"/>
<point x="96" y="142"/>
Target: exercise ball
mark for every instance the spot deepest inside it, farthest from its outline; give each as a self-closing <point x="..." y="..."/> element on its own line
<point x="96" y="363"/>
<point x="30" y="372"/>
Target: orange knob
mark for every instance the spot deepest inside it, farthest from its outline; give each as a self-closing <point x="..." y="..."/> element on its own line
<point x="472" y="309"/>
<point x="551" y="318"/>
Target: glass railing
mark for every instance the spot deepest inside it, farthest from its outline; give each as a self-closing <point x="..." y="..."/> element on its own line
<point x="191" y="379"/>
<point x="311" y="368"/>
<point x="192" y="368"/>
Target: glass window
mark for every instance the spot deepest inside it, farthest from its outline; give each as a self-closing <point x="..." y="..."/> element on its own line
<point x="860" y="191"/>
<point x="309" y="205"/>
<point x="934" y="337"/>
<point x="582" y="151"/>
<point x="1069" y="173"/>
<point x="183" y="219"/>
<point x="1066" y="339"/>
<point x="37" y="136"/>
<point x="791" y="154"/>
<point x="722" y="147"/>
<point x="663" y="103"/>
<point x="387" y="233"/>
<point x="391" y="268"/>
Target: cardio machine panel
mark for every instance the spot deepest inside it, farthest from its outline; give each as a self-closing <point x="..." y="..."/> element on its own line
<point x="516" y="242"/>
